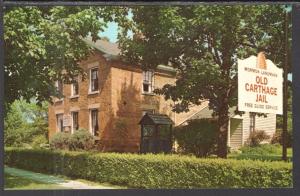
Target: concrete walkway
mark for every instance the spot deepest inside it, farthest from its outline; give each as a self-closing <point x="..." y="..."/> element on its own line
<point x="71" y="184"/>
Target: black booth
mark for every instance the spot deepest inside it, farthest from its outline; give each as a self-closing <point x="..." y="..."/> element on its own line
<point x="156" y="133"/>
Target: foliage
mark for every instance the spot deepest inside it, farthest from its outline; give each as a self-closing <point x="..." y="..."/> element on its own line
<point x="24" y="123"/>
<point x="267" y="152"/>
<point x="154" y="171"/>
<point x="198" y="137"/>
<point x="81" y="140"/>
<point x="60" y="140"/>
<point x="43" y="44"/>
<point x="257" y="137"/>
<point x="277" y="138"/>
<point x="203" y="43"/>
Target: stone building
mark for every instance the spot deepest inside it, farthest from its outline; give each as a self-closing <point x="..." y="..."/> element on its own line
<point x="111" y="101"/>
<point x="114" y="97"/>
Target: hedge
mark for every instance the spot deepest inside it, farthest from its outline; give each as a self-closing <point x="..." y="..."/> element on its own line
<point x="153" y="171"/>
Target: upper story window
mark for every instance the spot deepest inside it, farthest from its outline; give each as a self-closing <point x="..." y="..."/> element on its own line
<point x="59" y="122"/>
<point x="59" y="86"/>
<point x="148" y="81"/>
<point x="75" y="88"/>
<point x="93" y="80"/>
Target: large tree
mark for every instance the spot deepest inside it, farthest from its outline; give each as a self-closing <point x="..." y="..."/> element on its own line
<point x="43" y="44"/>
<point x="203" y="43"/>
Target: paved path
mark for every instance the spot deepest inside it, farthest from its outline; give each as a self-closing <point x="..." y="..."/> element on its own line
<point x="71" y="184"/>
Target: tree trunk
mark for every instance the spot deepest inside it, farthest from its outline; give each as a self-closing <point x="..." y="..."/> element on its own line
<point x="223" y="120"/>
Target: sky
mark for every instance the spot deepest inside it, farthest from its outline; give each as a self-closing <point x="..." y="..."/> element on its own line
<point x="111" y="32"/>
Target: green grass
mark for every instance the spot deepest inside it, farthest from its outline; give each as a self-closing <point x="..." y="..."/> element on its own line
<point x="265" y="152"/>
<point x="23" y="179"/>
<point x="19" y="183"/>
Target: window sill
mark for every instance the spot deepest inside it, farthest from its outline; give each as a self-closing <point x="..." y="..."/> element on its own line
<point x="74" y="96"/>
<point x="59" y="100"/>
<point x="93" y="92"/>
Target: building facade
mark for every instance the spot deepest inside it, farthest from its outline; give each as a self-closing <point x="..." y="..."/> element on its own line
<point x="112" y="99"/>
<point x="114" y="96"/>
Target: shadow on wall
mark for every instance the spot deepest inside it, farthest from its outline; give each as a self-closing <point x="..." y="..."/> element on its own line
<point x="122" y="132"/>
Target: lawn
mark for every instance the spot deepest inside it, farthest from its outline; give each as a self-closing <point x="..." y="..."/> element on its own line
<point x="19" y="183"/>
<point x="19" y="179"/>
<point x="265" y="152"/>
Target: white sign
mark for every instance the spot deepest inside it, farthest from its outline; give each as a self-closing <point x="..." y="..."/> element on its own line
<point x="67" y="120"/>
<point x="259" y="87"/>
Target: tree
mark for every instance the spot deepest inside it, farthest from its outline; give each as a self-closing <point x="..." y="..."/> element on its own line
<point x="203" y="43"/>
<point x="43" y="44"/>
<point x="26" y="123"/>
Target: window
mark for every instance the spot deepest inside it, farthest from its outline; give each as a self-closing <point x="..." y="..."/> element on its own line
<point x="94" y="122"/>
<point x="75" y="88"/>
<point x="252" y="122"/>
<point x="147" y="81"/>
<point x="59" y="86"/>
<point x="59" y="122"/>
<point x="75" y="124"/>
<point x="94" y="80"/>
<point x="147" y="111"/>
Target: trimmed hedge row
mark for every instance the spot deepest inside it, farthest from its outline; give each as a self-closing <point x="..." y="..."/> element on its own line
<point x="153" y="171"/>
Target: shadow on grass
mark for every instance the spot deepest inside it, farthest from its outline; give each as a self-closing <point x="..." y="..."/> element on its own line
<point x="16" y="182"/>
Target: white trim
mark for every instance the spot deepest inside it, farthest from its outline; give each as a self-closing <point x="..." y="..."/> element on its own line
<point x="90" y="119"/>
<point x="90" y="80"/>
<point x="72" y="89"/>
<point x="72" y="123"/>
<point x="150" y="83"/>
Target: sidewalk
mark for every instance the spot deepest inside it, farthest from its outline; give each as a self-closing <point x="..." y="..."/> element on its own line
<point x="70" y="184"/>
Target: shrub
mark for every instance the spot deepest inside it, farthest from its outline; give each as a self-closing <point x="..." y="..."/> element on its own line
<point x="60" y="140"/>
<point x="198" y="137"/>
<point x="39" y="141"/>
<point x="154" y="171"/>
<point x="277" y="138"/>
<point x="256" y="137"/>
<point x="81" y="140"/>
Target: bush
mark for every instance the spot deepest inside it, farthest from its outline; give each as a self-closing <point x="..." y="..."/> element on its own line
<point x="198" y="137"/>
<point x="60" y="140"/>
<point x="257" y="137"/>
<point x="81" y="140"/>
<point x="277" y="138"/>
<point x="153" y="171"/>
<point x="39" y="141"/>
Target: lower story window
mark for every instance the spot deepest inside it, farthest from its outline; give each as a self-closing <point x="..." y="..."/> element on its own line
<point x="94" y="122"/>
<point x="75" y="124"/>
<point x="59" y="122"/>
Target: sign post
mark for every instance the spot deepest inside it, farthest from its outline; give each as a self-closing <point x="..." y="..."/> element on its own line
<point x="259" y="85"/>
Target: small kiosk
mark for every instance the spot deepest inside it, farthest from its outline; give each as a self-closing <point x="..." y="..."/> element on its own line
<point x="156" y="133"/>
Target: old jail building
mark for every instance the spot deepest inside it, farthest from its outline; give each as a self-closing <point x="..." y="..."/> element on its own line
<point x="114" y="97"/>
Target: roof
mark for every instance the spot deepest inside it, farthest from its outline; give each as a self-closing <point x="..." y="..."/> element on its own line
<point x="156" y="119"/>
<point x="112" y="51"/>
<point x="207" y="113"/>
